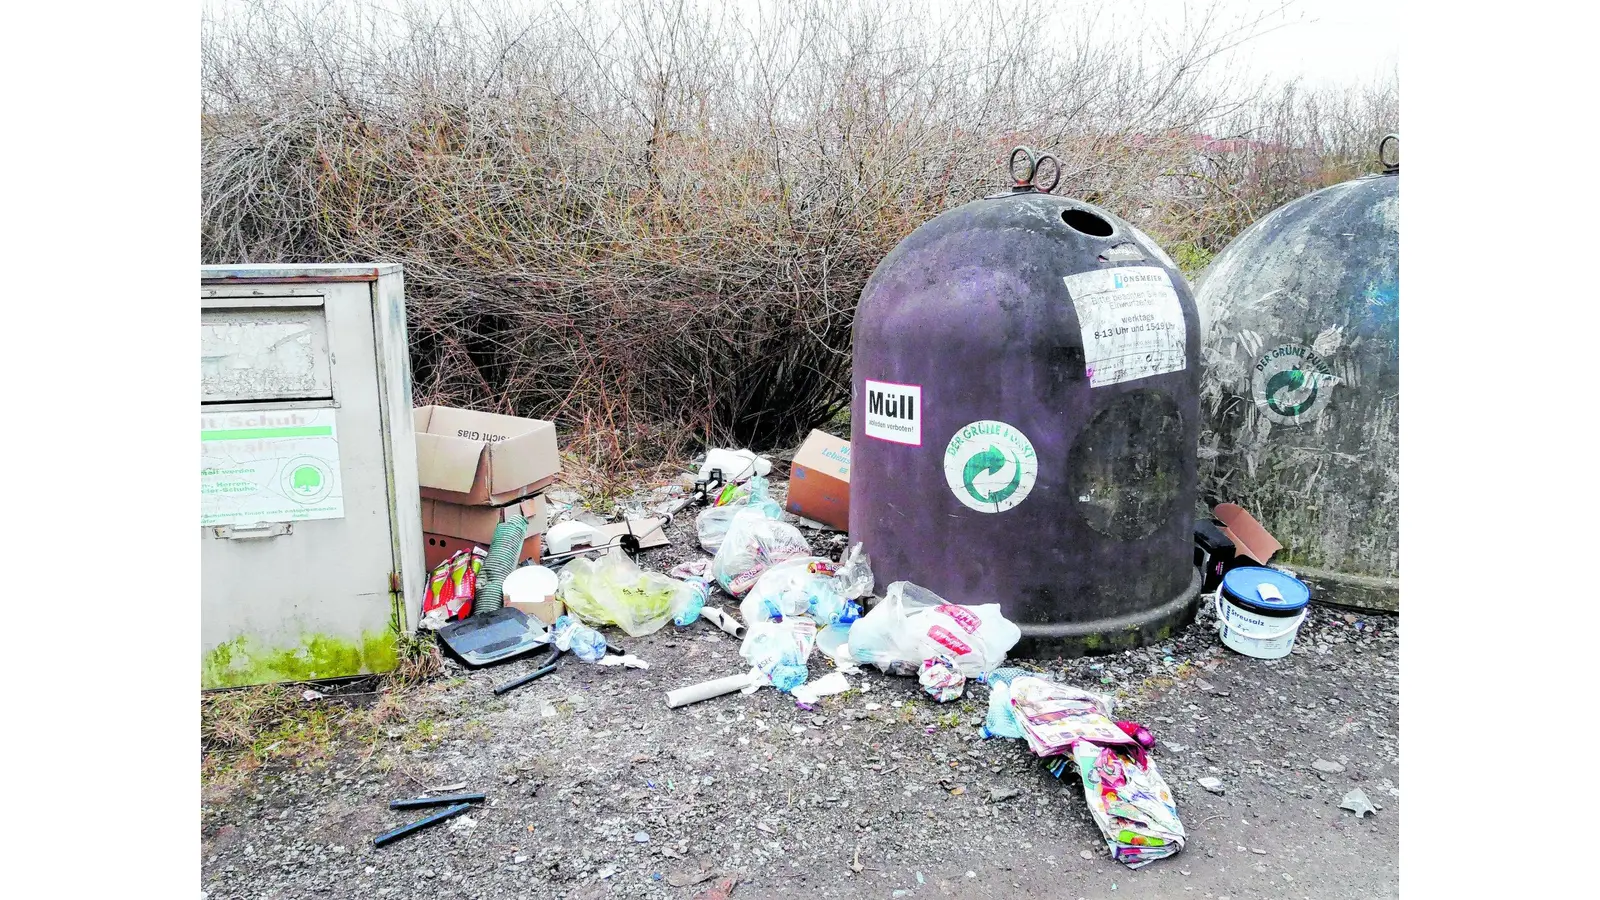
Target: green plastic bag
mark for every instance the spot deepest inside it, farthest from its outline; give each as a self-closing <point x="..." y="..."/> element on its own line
<point x="613" y="590"/>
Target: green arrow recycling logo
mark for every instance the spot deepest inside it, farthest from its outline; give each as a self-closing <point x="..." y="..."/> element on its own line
<point x="1292" y="384"/>
<point x="990" y="466"/>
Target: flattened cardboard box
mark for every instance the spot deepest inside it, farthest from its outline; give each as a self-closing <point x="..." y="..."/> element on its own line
<point x="477" y="523"/>
<point x="482" y="459"/>
<point x="819" y="480"/>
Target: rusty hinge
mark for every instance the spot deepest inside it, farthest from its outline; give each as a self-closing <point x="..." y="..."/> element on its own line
<point x="394" y="583"/>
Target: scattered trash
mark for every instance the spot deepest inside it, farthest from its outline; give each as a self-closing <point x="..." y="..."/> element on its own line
<point x="532" y="589"/>
<point x="755" y="542"/>
<point x="687" y="605"/>
<point x="1327" y="766"/>
<point x="565" y="536"/>
<point x="448" y="800"/>
<point x="779" y="650"/>
<point x="500" y="562"/>
<point x="913" y="623"/>
<point x="451" y="588"/>
<point x="572" y="636"/>
<point x="548" y="667"/>
<point x="699" y="568"/>
<point x="723" y="620"/>
<point x="1214" y="785"/>
<point x="712" y="525"/>
<point x="736" y="465"/>
<point x="309" y="695"/>
<point x="492" y="637"/>
<point x="1356" y="801"/>
<point x="641" y="837"/>
<point x="811" y="586"/>
<point x="941" y="680"/>
<point x="613" y="590"/>
<point x="1001" y="720"/>
<point x="707" y="690"/>
<point x="390" y="837"/>
<point x="828" y="685"/>
<point x="629" y="660"/>
<point x="1129" y="801"/>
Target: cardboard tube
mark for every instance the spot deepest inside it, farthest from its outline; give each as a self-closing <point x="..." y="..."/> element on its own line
<point x="695" y="693"/>
<point x="723" y="620"/>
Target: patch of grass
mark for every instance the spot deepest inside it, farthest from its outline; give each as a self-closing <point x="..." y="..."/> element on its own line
<point x="1192" y="259"/>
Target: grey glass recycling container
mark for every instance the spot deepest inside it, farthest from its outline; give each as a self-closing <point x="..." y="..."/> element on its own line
<point x="1024" y="421"/>
<point x="1302" y="384"/>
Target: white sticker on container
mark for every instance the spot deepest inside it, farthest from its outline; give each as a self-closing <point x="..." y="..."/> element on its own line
<point x="1132" y="323"/>
<point x="894" y="412"/>
<point x="278" y="466"/>
<point x="990" y="466"/>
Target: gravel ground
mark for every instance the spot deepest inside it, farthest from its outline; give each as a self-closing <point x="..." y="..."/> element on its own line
<point x="596" y="789"/>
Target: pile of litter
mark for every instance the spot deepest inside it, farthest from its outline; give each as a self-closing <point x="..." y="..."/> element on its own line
<point x="793" y="602"/>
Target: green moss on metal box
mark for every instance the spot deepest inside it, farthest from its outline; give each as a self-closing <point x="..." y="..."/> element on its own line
<point x="240" y="661"/>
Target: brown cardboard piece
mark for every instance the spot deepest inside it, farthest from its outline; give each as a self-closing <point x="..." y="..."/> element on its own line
<point x="1248" y="536"/>
<point x="440" y="547"/>
<point x="819" y="480"/>
<point x="546" y="610"/>
<point x="482" y="459"/>
<point x="477" y="523"/>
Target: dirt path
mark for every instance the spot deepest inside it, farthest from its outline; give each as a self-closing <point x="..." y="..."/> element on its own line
<point x="598" y="790"/>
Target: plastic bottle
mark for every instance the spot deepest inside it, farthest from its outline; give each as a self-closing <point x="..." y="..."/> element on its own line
<point x="573" y="636"/>
<point x="686" y="605"/>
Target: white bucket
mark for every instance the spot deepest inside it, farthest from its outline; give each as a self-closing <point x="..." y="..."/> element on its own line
<point x="1253" y="634"/>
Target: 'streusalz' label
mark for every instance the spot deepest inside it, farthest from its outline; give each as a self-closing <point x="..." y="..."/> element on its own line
<point x="894" y="412"/>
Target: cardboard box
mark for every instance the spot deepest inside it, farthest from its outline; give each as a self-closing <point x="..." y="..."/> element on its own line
<point x="481" y="459"/>
<point x="439" y="547"/>
<point x="477" y="523"/>
<point x="546" y="611"/>
<point x="1249" y="538"/>
<point x="819" y="480"/>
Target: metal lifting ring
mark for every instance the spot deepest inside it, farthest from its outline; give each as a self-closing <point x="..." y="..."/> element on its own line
<point x="1026" y="182"/>
<point x="1387" y="165"/>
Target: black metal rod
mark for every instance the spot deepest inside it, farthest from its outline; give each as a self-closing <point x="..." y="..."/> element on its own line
<point x="389" y="837"/>
<point x="515" y="683"/>
<point x="421" y="802"/>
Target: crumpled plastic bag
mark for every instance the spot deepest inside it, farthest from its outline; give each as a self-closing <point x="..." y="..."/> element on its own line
<point x="940" y="679"/>
<point x="613" y="590"/>
<point x="811" y="586"/>
<point x="711" y="526"/>
<point x="754" y="543"/>
<point x="913" y="623"/>
<point x="779" y="651"/>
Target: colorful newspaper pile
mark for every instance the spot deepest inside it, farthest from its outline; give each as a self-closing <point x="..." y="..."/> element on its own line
<point x="1127" y="797"/>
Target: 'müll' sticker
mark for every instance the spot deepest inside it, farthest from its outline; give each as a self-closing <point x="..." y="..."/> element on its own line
<point x="1132" y="321"/>
<point x="894" y="412"/>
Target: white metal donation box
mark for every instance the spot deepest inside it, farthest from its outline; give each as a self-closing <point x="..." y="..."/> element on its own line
<point x="310" y="521"/>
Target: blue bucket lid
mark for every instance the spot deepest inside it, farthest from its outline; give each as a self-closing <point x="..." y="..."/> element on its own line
<point x="1242" y="582"/>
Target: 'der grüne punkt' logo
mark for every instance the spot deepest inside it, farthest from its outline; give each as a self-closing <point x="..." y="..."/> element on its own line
<point x="990" y="466"/>
<point x="1292" y="384"/>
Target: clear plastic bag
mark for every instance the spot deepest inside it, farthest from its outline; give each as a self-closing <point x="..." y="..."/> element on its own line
<point x="811" y="586"/>
<point x="613" y="590"/>
<point x="712" y="524"/>
<point x="913" y="623"/>
<point x="755" y="542"/>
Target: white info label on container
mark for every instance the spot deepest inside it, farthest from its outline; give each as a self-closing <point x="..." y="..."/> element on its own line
<point x="1132" y="323"/>
<point x="271" y="466"/>
<point x="894" y="412"/>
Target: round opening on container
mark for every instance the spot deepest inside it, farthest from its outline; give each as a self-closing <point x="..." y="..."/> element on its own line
<point x="1086" y="222"/>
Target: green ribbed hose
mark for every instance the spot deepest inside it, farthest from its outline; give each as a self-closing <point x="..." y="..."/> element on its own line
<point x="504" y="549"/>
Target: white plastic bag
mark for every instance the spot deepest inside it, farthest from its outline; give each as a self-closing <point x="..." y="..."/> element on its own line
<point x="913" y="623"/>
<point x="753" y="544"/>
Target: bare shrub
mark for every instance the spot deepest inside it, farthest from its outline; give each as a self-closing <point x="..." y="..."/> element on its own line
<point x="653" y="227"/>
